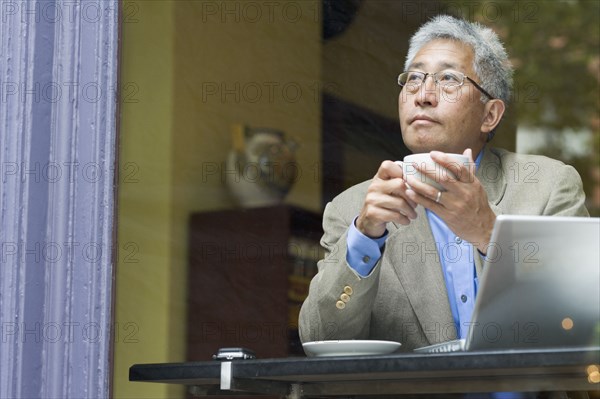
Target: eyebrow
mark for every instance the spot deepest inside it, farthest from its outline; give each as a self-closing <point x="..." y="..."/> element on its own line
<point x="444" y="65"/>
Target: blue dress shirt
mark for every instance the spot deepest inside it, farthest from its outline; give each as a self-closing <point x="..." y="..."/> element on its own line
<point x="456" y="258"/>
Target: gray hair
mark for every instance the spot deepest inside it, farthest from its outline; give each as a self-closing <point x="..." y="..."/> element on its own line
<point x="490" y="63"/>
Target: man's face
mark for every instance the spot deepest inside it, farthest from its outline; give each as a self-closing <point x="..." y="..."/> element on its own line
<point x="434" y="119"/>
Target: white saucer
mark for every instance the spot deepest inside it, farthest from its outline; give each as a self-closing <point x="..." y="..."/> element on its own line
<point x="350" y="348"/>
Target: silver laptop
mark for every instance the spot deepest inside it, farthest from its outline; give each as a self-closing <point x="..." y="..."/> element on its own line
<point x="540" y="286"/>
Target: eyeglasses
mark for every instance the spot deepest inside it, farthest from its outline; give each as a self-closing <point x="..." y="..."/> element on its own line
<point x="448" y="80"/>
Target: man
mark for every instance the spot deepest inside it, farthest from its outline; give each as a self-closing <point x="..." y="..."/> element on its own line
<point x="385" y="275"/>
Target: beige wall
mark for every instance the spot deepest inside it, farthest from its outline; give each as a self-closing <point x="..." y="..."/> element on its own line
<point x="239" y="68"/>
<point x="172" y="53"/>
<point x="144" y="218"/>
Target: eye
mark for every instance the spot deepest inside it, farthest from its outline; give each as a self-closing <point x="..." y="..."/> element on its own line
<point x="414" y="77"/>
<point x="449" y="77"/>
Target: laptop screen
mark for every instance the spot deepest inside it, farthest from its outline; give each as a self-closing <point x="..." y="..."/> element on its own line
<point x="540" y="285"/>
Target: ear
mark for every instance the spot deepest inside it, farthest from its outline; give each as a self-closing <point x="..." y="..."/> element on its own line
<point x="493" y="111"/>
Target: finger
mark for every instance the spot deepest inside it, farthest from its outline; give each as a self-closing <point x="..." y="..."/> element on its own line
<point x="429" y="203"/>
<point x="407" y="208"/>
<point x="469" y="154"/>
<point x="394" y="202"/>
<point x="424" y="176"/>
<point x="397" y="188"/>
<point x="411" y="203"/>
<point x="391" y="194"/>
<point x="389" y="170"/>
<point x="421" y="190"/>
<point x="386" y="212"/>
<point x="399" y="218"/>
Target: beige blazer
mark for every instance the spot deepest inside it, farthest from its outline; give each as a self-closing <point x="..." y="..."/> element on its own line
<point x="404" y="298"/>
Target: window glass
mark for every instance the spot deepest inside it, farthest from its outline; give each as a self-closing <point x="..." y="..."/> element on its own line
<point x="241" y="119"/>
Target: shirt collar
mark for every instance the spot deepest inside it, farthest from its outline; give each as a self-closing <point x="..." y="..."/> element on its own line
<point x="479" y="157"/>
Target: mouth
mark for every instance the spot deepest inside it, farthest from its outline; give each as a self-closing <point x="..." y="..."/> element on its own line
<point x="422" y="118"/>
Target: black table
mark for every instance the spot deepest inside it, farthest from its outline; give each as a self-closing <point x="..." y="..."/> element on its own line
<point x="405" y="373"/>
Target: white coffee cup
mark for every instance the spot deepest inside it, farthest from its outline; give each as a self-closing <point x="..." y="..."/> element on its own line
<point x="425" y="162"/>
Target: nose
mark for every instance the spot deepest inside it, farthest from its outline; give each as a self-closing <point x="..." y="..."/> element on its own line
<point x="427" y="95"/>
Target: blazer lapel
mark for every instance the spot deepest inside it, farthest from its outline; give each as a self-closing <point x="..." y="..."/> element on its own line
<point x="415" y="260"/>
<point x="491" y="176"/>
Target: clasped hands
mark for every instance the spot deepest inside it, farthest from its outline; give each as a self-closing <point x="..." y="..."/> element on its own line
<point x="464" y="207"/>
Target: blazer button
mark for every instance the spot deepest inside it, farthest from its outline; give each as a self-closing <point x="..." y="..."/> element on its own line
<point x="340" y="305"/>
<point x="345" y="297"/>
<point x="348" y="290"/>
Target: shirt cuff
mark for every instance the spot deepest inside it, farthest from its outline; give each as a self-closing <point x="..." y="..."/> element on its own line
<point x="363" y="252"/>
